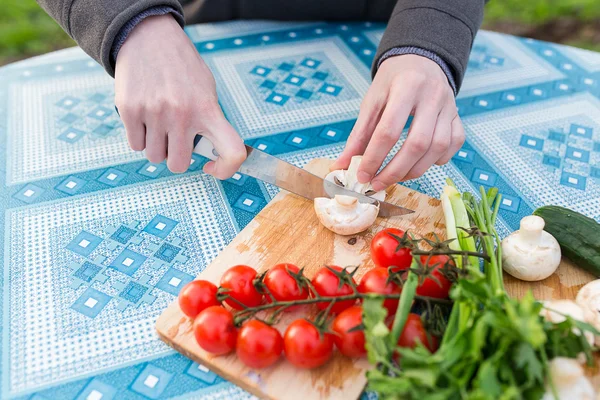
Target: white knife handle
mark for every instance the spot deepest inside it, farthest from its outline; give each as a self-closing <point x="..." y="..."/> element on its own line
<point x="205" y="148"/>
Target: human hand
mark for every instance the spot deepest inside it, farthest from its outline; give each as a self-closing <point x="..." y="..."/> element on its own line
<point x="404" y="85"/>
<point x="166" y="95"/>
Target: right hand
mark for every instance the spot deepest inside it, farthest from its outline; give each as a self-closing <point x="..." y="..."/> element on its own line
<point x="166" y="95"/>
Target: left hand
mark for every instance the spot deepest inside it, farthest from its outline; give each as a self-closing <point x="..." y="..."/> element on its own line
<point x="404" y="85"/>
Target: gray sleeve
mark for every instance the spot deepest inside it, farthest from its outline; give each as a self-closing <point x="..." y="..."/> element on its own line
<point x="399" y="51"/>
<point x="94" y="24"/>
<point x="132" y="23"/>
<point x="444" y="27"/>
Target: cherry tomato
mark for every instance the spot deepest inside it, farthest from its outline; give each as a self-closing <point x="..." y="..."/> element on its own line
<point x="375" y="281"/>
<point x="430" y="287"/>
<point x="239" y="281"/>
<point x="258" y="344"/>
<point x="326" y="283"/>
<point x="282" y="284"/>
<point x="385" y="252"/>
<point x="350" y="344"/>
<point x="305" y="346"/>
<point x="414" y="332"/>
<point x="214" y="330"/>
<point x="196" y="296"/>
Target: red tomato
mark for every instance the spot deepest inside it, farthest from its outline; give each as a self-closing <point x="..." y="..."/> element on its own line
<point x="283" y="286"/>
<point x="326" y="283"/>
<point x="258" y="344"/>
<point x="305" y="346"/>
<point x="239" y="281"/>
<point x="414" y="332"/>
<point x="350" y="344"/>
<point x="375" y="281"/>
<point x="385" y="252"/>
<point x="214" y="330"/>
<point x="430" y="287"/>
<point x="196" y="296"/>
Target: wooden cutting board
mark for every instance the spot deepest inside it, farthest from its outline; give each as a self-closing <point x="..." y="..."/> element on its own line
<point x="287" y="230"/>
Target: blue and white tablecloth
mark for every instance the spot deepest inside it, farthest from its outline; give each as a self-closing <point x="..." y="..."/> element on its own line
<point x="97" y="241"/>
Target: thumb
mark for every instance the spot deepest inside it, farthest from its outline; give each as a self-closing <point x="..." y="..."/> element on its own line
<point x="230" y="147"/>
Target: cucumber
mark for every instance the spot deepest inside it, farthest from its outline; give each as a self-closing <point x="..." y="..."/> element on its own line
<point x="578" y="236"/>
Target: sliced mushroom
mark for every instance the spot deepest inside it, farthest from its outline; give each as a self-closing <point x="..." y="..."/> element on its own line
<point x="345" y="215"/>
<point x="569" y="380"/>
<point x="348" y="179"/>
<point x="555" y="311"/>
<point x="588" y="298"/>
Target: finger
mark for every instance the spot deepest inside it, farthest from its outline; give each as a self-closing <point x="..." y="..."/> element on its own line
<point x="230" y="147"/>
<point x="368" y="116"/>
<point x="414" y="148"/>
<point x="156" y="142"/>
<point x="134" y="128"/>
<point x="179" y="154"/>
<point x="386" y="135"/>
<point x="440" y="143"/>
<point x="458" y="139"/>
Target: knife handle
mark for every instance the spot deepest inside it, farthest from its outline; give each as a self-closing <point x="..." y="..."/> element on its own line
<point x="205" y="148"/>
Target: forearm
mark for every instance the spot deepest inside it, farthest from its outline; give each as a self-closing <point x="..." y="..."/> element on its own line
<point x="446" y="28"/>
<point x="94" y="24"/>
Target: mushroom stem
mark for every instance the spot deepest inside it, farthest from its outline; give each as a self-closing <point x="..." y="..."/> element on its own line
<point x="531" y="229"/>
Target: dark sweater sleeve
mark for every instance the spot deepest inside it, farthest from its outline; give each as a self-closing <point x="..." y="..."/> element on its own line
<point x="94" y="24"/>
<point x="444" y="27"/>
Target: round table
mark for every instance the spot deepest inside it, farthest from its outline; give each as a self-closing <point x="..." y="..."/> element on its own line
<point x="97" y="241"/>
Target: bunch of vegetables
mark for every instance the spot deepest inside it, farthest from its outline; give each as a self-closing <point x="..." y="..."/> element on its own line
<point x="493" y="347"/>
<point x="256" y="302"/>
<point x="471" y="341"/>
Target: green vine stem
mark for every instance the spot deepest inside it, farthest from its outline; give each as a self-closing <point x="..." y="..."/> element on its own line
<point x="279" y="306"/>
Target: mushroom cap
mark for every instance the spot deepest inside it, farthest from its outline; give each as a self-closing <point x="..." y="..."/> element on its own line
<point x="345" y="215"/>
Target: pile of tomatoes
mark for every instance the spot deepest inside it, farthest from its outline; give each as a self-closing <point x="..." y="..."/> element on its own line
<point x="305" y="344"/>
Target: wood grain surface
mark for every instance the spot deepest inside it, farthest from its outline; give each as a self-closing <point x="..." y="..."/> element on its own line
<point x="287" y="230"/>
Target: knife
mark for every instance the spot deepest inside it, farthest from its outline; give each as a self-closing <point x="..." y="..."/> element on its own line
<point x="273" y="170"/>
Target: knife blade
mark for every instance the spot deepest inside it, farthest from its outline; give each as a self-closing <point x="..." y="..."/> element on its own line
<point x="273" y="170"/>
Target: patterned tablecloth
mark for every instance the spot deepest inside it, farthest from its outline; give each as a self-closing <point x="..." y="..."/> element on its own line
<point x="97" y="241"/>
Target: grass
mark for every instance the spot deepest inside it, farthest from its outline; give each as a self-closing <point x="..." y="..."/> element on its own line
<point x="26" y="30"/>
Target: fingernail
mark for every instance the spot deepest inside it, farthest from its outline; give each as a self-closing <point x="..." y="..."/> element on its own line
<point x="377" y="186"/>
<point x="209" y="168"/>
<point x="363" y="177"/>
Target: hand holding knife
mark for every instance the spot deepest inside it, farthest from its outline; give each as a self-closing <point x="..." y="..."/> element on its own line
<point x="273" y="170"/>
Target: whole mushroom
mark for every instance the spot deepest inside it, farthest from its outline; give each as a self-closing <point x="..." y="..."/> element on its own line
<point x="530" y="254"/>
<point x="345" y="215"/>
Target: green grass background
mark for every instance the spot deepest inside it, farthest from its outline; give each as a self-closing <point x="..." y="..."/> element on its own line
<point x="26" y="30"/>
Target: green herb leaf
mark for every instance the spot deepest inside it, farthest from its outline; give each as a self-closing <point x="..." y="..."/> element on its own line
<point x="376" y="332"/>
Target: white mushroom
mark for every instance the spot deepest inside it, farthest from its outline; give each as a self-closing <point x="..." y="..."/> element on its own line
<point x="530" y="254"/>
<point x="569" y="381"/>
<point x="588" y="298"/>
<point x="347" y="178"/>
<point x="555" y="311"/>
<point x="345" y="215"/>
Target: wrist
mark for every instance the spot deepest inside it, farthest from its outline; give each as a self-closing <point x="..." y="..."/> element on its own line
<point x="149" y="22"/>
<point x="427" y="54"/>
